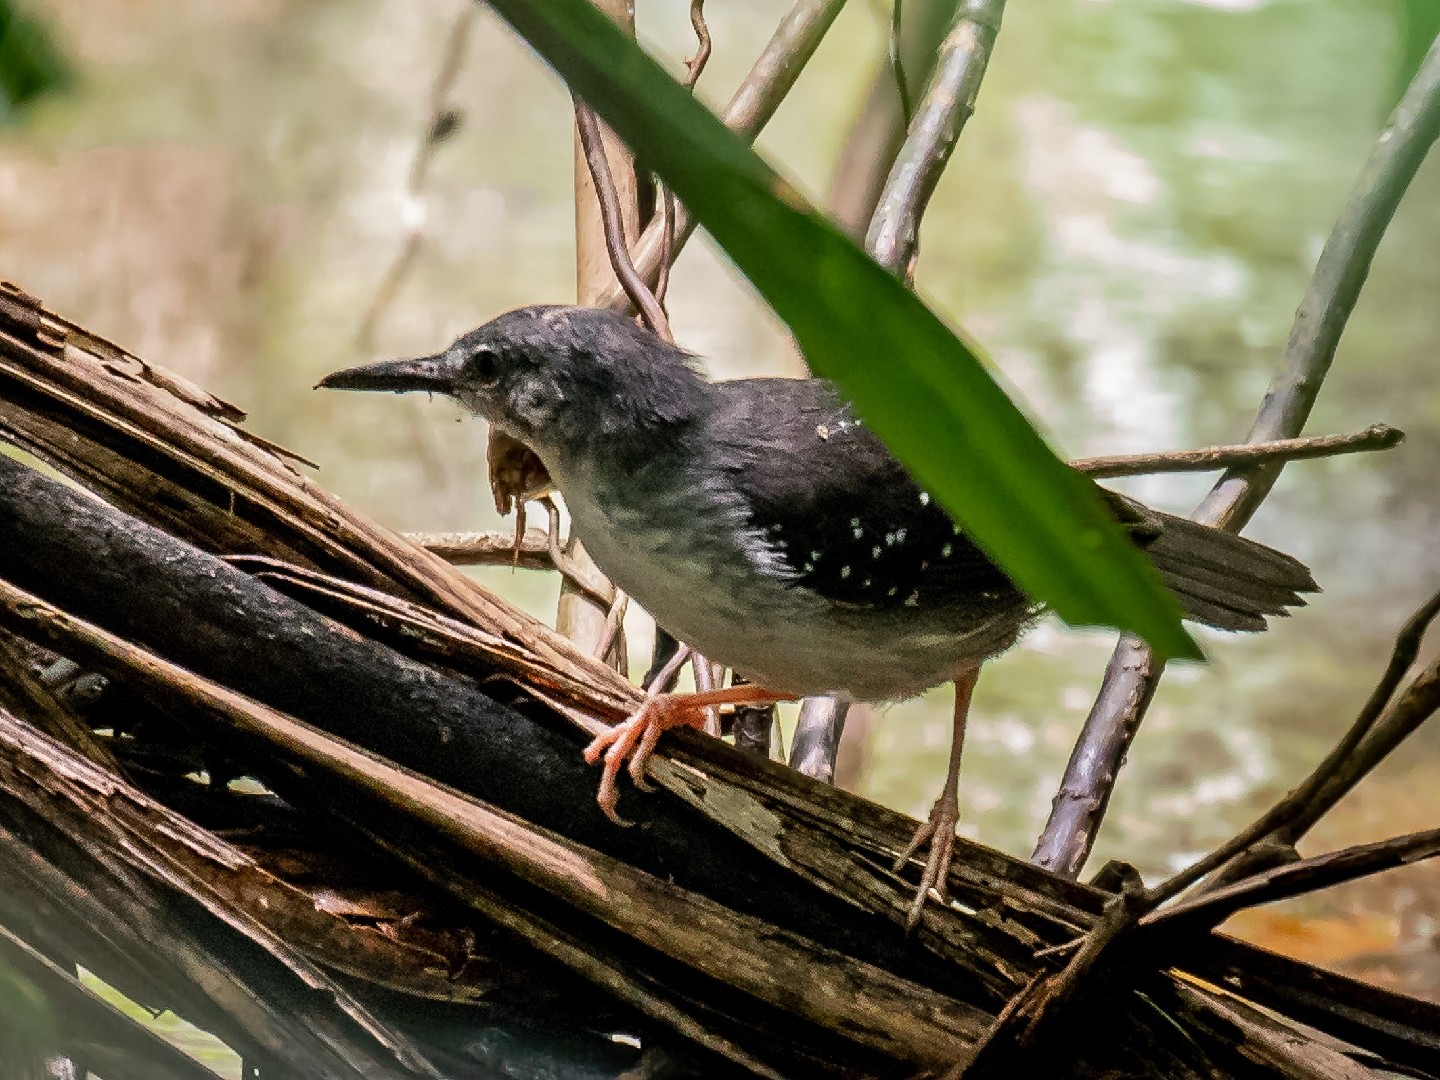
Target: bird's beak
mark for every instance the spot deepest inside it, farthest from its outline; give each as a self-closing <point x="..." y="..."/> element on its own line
<point x="436" y="374"/>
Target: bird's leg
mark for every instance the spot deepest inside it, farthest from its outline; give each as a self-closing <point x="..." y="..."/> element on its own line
<point x="635" y="739"/>
<point x="939" y="831"/>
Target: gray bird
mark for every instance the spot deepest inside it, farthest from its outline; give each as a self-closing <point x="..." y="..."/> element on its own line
<point x="762" y="522"/>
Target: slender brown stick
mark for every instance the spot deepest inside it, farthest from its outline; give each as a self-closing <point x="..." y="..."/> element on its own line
<point x="614" y="622"/>
<point x="1215" y="458"/>
<point x="694" y="68"/>
<point x="1304" y="799"/>
<point x="577" y="572"/>
<point x="440" y="122"/>
<point x="696" y="64"/>
<point x="1334" y="288"/>
<point x="488" y="548"/>
<point x="629" y="278"/>
<point x="1209" y="909"/>
<point x="753" y="104"/>
<point x="948" y="103"/>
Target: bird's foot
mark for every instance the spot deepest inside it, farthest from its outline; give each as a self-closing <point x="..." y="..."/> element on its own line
<point x="634" y="741"/>
<point x="938" y="834"/>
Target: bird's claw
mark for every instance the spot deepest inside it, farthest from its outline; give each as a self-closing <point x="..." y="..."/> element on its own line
<point x="629" y="745"/>
<point x="938" y="833"/>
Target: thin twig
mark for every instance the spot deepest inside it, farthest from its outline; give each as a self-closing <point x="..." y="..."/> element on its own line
<point x="614" y="622"/>
<point x="1132" y="675"/>
<point x="753" y="104"/>
<point x="1215" y="458"/>
<point x="634" y="286"/>
<point x="694" y="68"/>
<point x="575" y="572"/>
<point x="948" y="103"/>
<point x="897" y="63"/>
<point x="696" y="64"/>
<point x="1191" y="917"/>
<point x="488" y="548"/>
<point x="440" y="123"/>
<point x="1286" y="814"/>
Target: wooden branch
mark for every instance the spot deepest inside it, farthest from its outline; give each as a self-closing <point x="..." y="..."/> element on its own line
<point x="750" y="109"/>
<point x="168" y="452"/>
<point x="613" y="224"/>
<point x="25" y="695"/>
<point x="760" y="847"/>
<point x="1213" y="907"/>
<point x="488" y="548"/>
<point x="949" y="101"/>
<point x="1216" y="458"/>
<point x="440" y="123"/>
<point x="1132" y="675"/>
<point x="218" y="967"/>
<point x="905" y="1020"/>
<point x="1401" y="1029"/>
<point x="878" y="131"/>
<point x="1280" y="827"/>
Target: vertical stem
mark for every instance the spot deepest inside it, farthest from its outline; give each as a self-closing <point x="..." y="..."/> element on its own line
<point x="579" y="617"/>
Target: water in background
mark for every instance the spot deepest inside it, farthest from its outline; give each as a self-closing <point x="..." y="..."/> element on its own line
<point x="1127" y="226"/>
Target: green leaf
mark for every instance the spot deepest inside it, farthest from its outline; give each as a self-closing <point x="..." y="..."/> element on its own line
<point x="30" y="65"/>
<point x="919" y="385"/>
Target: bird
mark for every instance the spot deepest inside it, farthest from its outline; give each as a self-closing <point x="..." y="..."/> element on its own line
<point x="761" y="521"/>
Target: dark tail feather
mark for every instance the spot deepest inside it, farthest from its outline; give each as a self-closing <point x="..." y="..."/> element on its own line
<point x="1224" y="580"/>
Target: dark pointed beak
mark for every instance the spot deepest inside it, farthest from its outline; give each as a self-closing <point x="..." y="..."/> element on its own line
<point x="436" y="374"/>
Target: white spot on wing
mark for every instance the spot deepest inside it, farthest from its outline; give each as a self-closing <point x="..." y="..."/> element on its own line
<point x="924" y="498"/>
<point x="844" y="571"/>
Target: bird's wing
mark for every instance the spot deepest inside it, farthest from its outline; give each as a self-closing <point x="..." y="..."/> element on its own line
<point x="844" y="517"/>
<point x="849" y="523"/>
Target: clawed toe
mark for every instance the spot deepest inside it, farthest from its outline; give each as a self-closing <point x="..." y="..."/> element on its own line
<point x="938" y="833"/>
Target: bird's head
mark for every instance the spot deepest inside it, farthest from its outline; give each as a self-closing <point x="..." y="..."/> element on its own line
<point x="556" y="378"/>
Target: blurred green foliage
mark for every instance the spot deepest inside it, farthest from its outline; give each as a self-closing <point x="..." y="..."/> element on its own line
<point x="1419" y="23"/>
<point x="30" y="63"/>
<point x="922" y="387"/>
<point x="27" y="1027"/>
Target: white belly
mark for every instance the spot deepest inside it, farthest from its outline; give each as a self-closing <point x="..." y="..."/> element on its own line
<point x="714" y="593"/>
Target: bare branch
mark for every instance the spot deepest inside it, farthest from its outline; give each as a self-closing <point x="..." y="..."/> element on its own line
<point x="1373" y="735"/>
<point x="1215" y="458"/>
<point x="440" y="123"/>
<point x="948" y="103"/>
<point x="1295" y="879"/>
<point x="696" y="64"/>
<point x="754" y="103"/>
<point x="635" y="288"/>
<point x="1334" y="288"/>
<point x="488" y="548"/>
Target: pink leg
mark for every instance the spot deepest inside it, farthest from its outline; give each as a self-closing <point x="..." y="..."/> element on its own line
<point x="637" y="737"/>
<point x="939" y="831"/>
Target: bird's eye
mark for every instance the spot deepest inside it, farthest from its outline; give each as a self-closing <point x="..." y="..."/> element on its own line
<point x="484" y="367"/>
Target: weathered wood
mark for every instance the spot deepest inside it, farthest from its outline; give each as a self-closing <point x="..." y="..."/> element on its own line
<point x="204" y="614"/>
<point x="207" y="958"/>
<point x="445" y="831"/>
<point x="172" y="454"/>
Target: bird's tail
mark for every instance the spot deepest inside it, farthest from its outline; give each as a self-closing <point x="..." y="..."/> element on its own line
<point x="1224" y="580"/>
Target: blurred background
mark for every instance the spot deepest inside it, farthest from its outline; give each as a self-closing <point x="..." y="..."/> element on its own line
<point x="1129" y="222"/>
